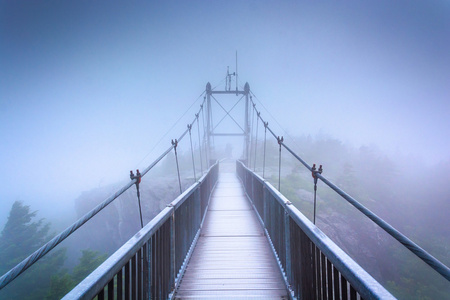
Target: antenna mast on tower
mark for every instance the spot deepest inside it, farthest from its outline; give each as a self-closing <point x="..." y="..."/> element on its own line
<point x="228" y="79"/>
<point x="236" y="75"/>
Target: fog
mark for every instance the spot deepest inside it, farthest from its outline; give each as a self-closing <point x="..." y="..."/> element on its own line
<point x="89" y="91"/>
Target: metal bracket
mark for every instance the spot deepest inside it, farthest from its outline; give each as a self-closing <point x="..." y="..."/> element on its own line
<point x="280" y="140"/>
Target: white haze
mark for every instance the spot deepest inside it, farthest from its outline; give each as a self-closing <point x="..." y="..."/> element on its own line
<point x="88" y="89"/>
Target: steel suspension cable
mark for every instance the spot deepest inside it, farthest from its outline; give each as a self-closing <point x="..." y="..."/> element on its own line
<point x="35" y="256"/>
<point x="405" y="241"/>
<point x="297" y="157"/>
<point x="170" y="129"/>
<point x="262" y="120"/>
<point x="47" y="247"/>
<point x="409" y="244"/>
<point x="276" y="121"/>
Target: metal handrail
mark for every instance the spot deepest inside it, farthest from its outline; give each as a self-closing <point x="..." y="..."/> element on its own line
<point x="94" y="282"/>
<point x="47" y="247"/>
<point x="100" y="277"/>
<point x="405" y="241"/>
<point x="362" y="281"/>
<point x="426" y="257"/>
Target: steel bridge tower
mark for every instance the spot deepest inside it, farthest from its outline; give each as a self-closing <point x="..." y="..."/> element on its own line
<point x="211" y="126"/>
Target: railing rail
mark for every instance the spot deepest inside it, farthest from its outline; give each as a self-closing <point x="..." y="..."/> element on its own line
<point x="426" y="257"/>
<point x="149" y="264"/>
<point x="9" y="276"/>
<point x="314" y="266"/>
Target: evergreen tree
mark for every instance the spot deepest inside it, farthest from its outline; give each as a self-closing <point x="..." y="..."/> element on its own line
<point x="59" y="286"/>
<point x="20" y="237"/>
<point x="63" y="283"/>
<point x="89" y="261"/>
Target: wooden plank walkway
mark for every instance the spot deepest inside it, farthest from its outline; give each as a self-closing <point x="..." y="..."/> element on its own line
<point x="232" y="258"/>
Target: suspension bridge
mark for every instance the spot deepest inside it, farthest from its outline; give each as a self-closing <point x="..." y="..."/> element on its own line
<point x="231" y="234"/>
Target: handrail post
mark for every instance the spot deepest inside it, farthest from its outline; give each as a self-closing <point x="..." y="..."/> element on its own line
<point x="287" y="239"/>
<point x="149" y="269"/>
<point x="265" y="205"/>
<point x="172" y="251"/>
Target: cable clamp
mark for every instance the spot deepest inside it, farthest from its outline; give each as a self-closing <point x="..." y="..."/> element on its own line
<point x="175" y="143"/>
<point x="314" y="172"/>
<point x="196" y="115"/>
<point x="189" y="126"/>
<point x="137" y="176"/>
<point x="280" y="140"/>
<point x="266" y="124"/>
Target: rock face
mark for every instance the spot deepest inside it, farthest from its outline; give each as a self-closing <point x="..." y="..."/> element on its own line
<point x="357" y="236"/>
<point x="120" y="220"/>
<point x="360" y="241"/>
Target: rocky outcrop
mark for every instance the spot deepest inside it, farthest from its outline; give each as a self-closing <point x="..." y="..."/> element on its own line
<point x="113" y="226"/>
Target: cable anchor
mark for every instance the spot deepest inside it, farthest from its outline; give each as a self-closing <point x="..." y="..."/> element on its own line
<point x="138" y="177"/>
<point x="189" y="126"/>
<point x="314" y="173"/>
<point x="175" y="144"/>
<point x="280" y="141"/>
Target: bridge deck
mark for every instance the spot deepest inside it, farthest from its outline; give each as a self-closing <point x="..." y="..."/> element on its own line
<point x="232" y="258"/>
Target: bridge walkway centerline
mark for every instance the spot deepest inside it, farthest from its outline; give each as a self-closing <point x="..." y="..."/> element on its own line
<point x="232" y="257"/>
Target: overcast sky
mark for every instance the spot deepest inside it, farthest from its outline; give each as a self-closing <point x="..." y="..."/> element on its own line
<point x="87" y="88"/>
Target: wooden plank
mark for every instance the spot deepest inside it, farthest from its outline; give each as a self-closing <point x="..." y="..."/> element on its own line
<point x="232" y="258"/>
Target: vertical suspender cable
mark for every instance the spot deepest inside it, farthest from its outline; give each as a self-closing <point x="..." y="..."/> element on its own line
<point x="265" y="140"/>
<point x="212" y="128"/>
<point x="175" y="144"/>
<point x="256" y="140"/>
<point x="138" y="180"/>
<point x="280" y="141"/>
<point x="314" y="172"/>
<point x="251" y="138"/>
<point x="204" y="137"/>
<point x="192" y="150"/>
<point x="199" y="144"/>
